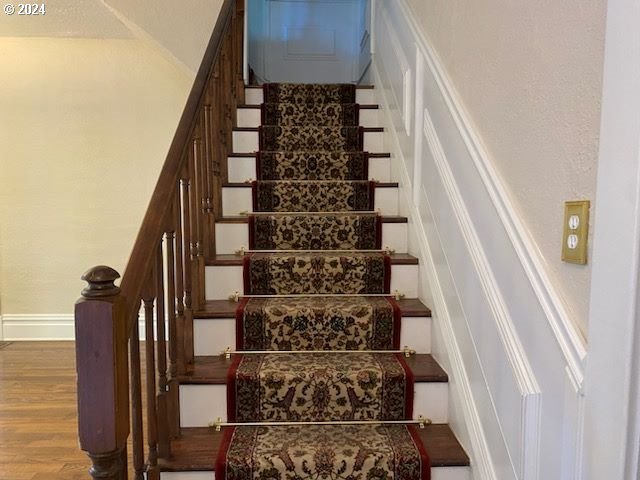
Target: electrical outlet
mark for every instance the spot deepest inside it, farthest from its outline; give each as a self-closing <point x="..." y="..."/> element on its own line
<point x="575" y="232"/>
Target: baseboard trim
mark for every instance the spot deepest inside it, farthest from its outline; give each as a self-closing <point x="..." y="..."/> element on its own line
<point x="37" y="327"/>
<point x="43" y="327"/>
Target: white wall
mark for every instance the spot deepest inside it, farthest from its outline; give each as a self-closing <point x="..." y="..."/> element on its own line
<point x="529" y="74"/>
<point x="501" y="330"/>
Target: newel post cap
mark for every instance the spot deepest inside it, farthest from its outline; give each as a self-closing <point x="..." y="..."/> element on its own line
<point x="101" y="282"/>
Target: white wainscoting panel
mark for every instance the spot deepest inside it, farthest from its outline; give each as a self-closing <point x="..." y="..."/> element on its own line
<point x="514" y="358"/>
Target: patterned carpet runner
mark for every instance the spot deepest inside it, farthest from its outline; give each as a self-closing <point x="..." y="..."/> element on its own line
<point x="312" y="343"/>
<point x="310" y="138"/>
<point x="316" y="165"/>
<point x="315" y="232"/>
<point x="365" y="452"/>
<point x="320" y="114"/>
<point x="318" y="323"/>
<point x="313" y="195"/>
<point x="316" y="273"/>
<point x="289" y="387"/>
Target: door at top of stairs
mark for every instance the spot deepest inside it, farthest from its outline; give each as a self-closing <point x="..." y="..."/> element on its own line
<point x="308" y="40"/>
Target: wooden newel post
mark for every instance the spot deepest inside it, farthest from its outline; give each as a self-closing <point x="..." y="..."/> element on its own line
<point x="102" y="367"/>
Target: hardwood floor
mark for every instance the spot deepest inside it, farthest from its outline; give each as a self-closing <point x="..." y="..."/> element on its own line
<point x="38" y="426"/>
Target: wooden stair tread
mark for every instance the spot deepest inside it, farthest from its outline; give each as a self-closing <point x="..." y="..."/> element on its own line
<point x="217" y="309"/>
<point x="196" y="449"/>
<point x="229" y="260"/>
<point x="213" y="370"/>
<point x="243" y="219"/>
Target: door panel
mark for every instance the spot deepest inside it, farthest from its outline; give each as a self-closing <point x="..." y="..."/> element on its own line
<point x="312" y="41"/>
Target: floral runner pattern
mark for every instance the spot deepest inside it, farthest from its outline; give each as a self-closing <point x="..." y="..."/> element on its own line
<point x="319" y="165"/>
<point x="311" y="340"/>
<point x="315" y="232"/>
<point x="316" y="273"/>
<point x="308" y="94"/>
<point x="318" y="323"/>
<point x="281" y="387"/>
<point x="310" y="138"/>
<point x="312" y="196"/>
<point x="331" y="452"/>
<point x="320" y="114"/>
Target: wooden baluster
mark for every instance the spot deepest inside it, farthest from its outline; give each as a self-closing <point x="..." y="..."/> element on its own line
<point x="150" y="371"/>
<point x="103" y="378"/>
<point x="164" y="441"/>
<point x="136" y="403"/>
<point x="188" y="263"/>
<point x="197" y="272"/>
<point x="173" y="386"/>
<point x="180" y="261"/>
<point x="239" y="32"/>
<point x="219" y="150"/>
<point x="212" y="169"/>
<point x="226" y="141"/>
<point x="227" y="87"/>
<point x="204" y="170"/>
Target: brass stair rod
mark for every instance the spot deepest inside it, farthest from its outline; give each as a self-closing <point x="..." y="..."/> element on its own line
<point x="242" y="251"/>
<point x="395" y="294"/>
<point x="249" y="180"/>
<point x="228" y="352"/>
<point x="343" y="212"/>
<point x="421" y="421"/>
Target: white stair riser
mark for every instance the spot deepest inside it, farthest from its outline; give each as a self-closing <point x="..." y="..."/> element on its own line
<point x="221" y="281"/>
<point x="202" y="404"/>
<point x="242" y="169"/>
<point x="230" y="237"/>
<point x="444" y="473"/>
<point x="437" y="473"/>
<point x="253" y="96"/>
<point x="247" y="142"/>
<point x="250" y="118"/>
<point x="212" y="336"/>
<point x="238" y="199"/>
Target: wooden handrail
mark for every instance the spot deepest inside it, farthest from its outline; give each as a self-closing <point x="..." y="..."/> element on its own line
<point x="164" y="275"/>
<point x="154" y="222"/>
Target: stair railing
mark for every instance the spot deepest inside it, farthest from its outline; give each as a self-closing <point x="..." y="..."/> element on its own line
<point x="127" y="387"/>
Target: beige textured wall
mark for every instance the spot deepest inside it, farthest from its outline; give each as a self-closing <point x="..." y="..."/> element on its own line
<point x="84" y="130"/>
<point x="529" y="75"/>
<point x="90" y="102"/>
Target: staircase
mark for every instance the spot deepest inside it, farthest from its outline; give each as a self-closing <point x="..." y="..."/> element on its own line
<point x="312" y="207"/>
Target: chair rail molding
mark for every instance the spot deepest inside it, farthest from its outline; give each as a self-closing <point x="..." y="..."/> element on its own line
<point x="514" y="355"/>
